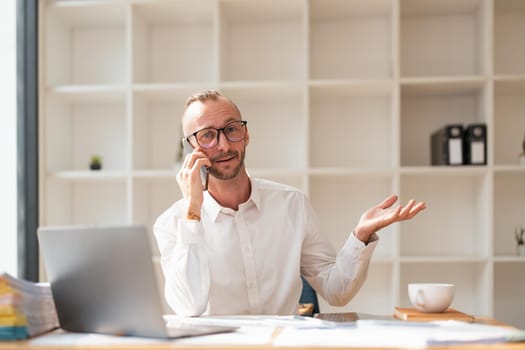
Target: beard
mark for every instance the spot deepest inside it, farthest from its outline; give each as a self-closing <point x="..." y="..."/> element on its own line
<point x="231" y="174"/>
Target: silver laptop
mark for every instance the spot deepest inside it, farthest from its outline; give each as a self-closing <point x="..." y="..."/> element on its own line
<point x="103" y="281"/>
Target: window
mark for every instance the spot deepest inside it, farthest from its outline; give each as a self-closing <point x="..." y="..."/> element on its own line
<point x="8" y="138"/>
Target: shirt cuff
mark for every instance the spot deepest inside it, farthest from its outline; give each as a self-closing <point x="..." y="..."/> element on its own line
<point x="357" y="243"/>
<point x="190" y="231"/>
<point x="374" y="237"/>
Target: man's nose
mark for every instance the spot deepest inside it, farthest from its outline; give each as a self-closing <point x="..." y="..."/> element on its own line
<point x="222" y="142"/>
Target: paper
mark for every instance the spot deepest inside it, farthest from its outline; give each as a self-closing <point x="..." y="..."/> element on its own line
<point x="26" y="308"/>
<point x="64" y="338"/>
<point x="399" y="334"/>
<point x="250" y="320"/>
<point x="242" y="336"/>
<point x="477" y="152"/>
<point x="455" y="151"/>
<point x="352" y="337"/>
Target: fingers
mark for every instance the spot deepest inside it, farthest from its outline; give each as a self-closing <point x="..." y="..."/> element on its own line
<point x="189" y="177"/>
<point x="377" y="218"/>
<point x="410" y="210"/>
<point x="404" y="212"/>
<point x="416" y="209"/>
<point x="197" y="156"/>
<point x="391" y="217"/>
<point x="387" y="203"/>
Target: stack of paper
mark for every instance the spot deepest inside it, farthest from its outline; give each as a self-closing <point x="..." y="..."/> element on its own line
<point x="26" y="308"/>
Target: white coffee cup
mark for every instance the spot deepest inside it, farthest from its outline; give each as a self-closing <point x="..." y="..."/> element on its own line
<point x="431" y="297"/>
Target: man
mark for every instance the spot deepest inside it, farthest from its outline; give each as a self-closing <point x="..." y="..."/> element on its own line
<point x="241" y="246"/>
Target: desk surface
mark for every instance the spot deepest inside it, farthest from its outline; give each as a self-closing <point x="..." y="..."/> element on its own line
<point x="173" y="344"/>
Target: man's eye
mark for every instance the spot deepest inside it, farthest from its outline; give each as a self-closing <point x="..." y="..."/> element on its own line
<point x="207" y="135"/>
<point x="230" y="128"/>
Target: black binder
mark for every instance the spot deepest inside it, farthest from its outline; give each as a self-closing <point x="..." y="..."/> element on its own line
<point x="475" y="144"/>
<point x="447" y="145"/>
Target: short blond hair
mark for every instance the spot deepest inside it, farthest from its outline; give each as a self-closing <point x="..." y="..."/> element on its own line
<point x="207" y="95"/>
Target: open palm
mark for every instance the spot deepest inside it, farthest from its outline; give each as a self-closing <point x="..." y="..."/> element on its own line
<point x="382" y="215"/>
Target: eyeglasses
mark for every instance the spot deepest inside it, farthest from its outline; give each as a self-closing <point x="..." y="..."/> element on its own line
<point x="209" y="137"/>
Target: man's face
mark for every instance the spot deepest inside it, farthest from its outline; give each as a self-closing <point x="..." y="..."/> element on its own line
<point x="227" y="157"/>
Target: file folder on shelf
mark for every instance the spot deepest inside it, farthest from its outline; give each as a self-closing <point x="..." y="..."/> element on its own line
<point x="475" y="144"/>
<point x="447" y="145"/>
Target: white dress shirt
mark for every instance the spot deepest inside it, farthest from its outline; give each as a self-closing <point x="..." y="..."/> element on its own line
<point x="249" y="261"/>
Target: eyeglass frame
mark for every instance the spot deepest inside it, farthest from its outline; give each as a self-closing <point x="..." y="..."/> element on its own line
<point x="194" y="134"/>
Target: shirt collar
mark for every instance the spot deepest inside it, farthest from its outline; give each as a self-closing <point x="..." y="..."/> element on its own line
<point x="212" y="208"/>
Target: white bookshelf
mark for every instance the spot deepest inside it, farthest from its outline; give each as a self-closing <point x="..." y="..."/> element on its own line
<point x="341" y="97"/>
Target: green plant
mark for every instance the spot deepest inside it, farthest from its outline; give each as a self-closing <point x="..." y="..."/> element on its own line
<point x="519" y="235"/>
<point x="96" y="160"/>
<point x="95" y="163"/>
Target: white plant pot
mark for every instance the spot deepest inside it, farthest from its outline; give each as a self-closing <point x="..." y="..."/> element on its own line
<point x="521" y="250"/>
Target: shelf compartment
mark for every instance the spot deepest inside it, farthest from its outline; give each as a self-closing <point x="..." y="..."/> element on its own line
<point x="371" y="298"/>
<point x="150" y="199"/>
<point x="85" y="44"/>
<point x="509" y="191"/>
<point x="509" y="113"/>
<point x="276" y="120"/>
<point x="455" y="223"/>
<point x="443" y="37"/>
<point x="346" y="122"/>
<point x="337" y="47"/>
<point x="174" y="42"/>
<point x="157" y="128"/>
<point x="472" y="281"/>
<point x="509" y="48"/>
<point x="85" y="202"/>
<point x="262" y="40"/>
<point x="339" y="202"/>
<point x="508" y="293"/>
<point x="428" y="106"/>
<point x="79" y="125"/>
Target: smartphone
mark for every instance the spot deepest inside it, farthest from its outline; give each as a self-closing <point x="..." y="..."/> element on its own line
<point x="204" y="169"/>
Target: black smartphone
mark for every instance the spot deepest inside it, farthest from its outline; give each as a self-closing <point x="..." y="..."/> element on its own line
<point x="204" y="169"/>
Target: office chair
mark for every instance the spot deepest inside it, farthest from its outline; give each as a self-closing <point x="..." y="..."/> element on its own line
<point x="308" y="296"/>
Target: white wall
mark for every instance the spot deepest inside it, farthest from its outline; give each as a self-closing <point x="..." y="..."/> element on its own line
<point x="8" y="191"/>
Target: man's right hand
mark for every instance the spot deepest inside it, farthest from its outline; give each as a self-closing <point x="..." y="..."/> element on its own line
<point x="190" y="182"/>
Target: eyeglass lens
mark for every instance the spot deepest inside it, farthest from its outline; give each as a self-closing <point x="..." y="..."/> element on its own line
<point x="234" y="132"/>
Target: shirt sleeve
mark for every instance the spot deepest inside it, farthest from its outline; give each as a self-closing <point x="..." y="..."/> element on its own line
<point x="184" y="263"/>
<point x="336" y="277"/>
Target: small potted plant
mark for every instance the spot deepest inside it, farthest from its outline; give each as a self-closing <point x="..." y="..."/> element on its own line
<point x="520" y="240"/>
<point x="95" y="163"/>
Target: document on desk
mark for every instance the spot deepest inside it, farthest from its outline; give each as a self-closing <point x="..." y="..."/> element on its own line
<point x="292" y="321"/>
<point x="242" y="336"/>
<point x="402" y="334"/>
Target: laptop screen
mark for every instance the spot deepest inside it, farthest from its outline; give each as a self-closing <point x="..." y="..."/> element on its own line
<point x="103" y="279"/>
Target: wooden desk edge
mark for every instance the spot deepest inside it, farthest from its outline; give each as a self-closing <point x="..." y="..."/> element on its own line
<point x="26" y="344"/>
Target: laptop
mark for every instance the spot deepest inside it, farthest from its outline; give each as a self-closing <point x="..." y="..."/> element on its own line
<point x="103" y="281"/>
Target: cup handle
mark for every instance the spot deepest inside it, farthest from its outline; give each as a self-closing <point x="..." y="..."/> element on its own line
<point x="420" y="301"/>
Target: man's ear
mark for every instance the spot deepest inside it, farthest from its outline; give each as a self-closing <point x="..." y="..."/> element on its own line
<point x="247" y="137"/>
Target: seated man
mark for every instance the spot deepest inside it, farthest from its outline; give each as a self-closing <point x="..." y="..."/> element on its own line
<point x="241" y="246"/>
